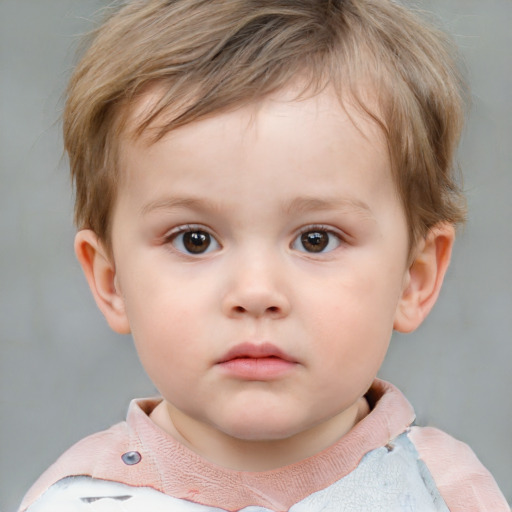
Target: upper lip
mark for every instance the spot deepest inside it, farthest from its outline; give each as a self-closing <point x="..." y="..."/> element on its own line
<point x="255" y="351"/>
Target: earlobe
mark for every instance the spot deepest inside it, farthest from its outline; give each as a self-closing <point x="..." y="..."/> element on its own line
<point x="99" y="271"/>
<point x="424" y="277"/>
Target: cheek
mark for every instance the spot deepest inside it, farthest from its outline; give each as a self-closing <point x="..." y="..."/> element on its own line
<point x="158" y="302"/>
<point x="167" y="352"/>
<point x="363" y="301"/>
<point x="165" y="327"/>
<point x="353" y="325"/>
<point x="350" y="352"/>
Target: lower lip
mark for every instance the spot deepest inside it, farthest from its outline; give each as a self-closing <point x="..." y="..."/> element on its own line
<point x="262" y="368"/>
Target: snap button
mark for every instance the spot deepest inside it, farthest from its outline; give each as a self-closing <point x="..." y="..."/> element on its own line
<point x="131" y="458"/>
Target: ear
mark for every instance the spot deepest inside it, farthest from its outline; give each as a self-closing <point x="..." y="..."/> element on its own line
<point x="99" y="270"/>
<point x="424" y="277"/>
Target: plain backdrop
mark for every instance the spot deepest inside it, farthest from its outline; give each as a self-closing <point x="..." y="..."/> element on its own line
<point x="64" y="375"/>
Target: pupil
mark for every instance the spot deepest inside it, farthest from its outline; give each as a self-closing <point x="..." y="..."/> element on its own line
<point x="196" y="242"/>
<point x="315" y="241"/>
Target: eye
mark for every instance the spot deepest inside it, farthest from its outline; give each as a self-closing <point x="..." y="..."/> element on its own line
<point x="316" y="240"/>
<point x="193" y="241"/>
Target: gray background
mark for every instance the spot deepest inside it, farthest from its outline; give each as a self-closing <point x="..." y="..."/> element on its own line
<point x="64" y="375"/>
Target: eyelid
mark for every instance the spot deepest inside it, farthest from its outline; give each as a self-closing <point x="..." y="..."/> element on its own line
<point x="340" y="235"/>
<point x="322" y="227"/>
<point x="171" y="236"/>
<point x="185" y="228"/>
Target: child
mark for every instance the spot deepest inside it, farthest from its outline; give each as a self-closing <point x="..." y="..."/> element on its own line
<point x="264" y="191"/>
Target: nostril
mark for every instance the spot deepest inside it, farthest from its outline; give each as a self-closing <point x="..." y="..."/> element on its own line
<point x="270" y="309"/>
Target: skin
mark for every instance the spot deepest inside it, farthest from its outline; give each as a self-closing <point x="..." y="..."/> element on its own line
<point x="257" y="185"/>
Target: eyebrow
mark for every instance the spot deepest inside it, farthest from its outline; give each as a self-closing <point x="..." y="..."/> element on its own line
<point x="298" y="205"/>
<point x="171" y="203"/>
<point x="308" y="204"/>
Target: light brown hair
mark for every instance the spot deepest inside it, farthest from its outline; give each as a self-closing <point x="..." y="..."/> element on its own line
<point x="211" y="55"/>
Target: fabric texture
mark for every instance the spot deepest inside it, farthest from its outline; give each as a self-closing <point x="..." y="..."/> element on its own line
<point x="381" y="463"/>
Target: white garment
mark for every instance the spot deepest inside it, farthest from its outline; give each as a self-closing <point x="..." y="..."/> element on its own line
<point x="388" y="479"/>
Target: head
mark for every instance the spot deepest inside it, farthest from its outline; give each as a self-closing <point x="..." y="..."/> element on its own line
<point x="265" y="191"/>
<point x="209" y="57"/>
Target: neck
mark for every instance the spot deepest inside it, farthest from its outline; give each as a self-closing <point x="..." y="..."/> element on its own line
<point x="255" y="455"/>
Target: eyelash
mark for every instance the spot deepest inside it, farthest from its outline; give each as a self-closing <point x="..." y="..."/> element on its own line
<point x="318" y="246"/>
<point x="320" y="229"/>
<point x="171" y="238"/>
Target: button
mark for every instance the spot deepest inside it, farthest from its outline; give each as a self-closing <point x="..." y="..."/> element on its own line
<point x="131" y="458"/>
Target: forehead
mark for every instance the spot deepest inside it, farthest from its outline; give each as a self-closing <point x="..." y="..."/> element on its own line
<point x="309" y="146"/>
<point x="150" y="115"/>
<point x="326" y="110"/>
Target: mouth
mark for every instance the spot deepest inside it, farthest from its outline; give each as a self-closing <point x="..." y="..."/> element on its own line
<point x="253" y="351"/>
<point x="257" y="362"/>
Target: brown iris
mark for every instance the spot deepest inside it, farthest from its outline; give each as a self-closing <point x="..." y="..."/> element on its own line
<point x="196" y="242"/>
<point x="314" y="241"/>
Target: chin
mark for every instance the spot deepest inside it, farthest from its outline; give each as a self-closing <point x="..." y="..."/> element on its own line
<point x="263" y="429"/>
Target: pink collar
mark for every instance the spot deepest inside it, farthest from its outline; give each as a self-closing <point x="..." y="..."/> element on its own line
<point x="138" y="453"/>
<point x="183" y="473"/>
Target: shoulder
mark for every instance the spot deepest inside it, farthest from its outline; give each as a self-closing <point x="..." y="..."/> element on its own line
<point x="81" y="459"/>
<point x="111" y="455"/>
<point x="464" y="483"/>
<point x="86" y="494"/>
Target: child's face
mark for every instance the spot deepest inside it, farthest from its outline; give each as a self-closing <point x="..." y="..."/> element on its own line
<point x="260" y="256"/>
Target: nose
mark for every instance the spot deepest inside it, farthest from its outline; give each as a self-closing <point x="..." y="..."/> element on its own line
<point x="256" y="289"/>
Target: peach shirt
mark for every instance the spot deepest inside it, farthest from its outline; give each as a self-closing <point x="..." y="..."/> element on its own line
<point x="171" y="468"/>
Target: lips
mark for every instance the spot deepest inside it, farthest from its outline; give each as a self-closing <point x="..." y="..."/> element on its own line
<point x="257" y="362"/>
<point x="253" y="351"/>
